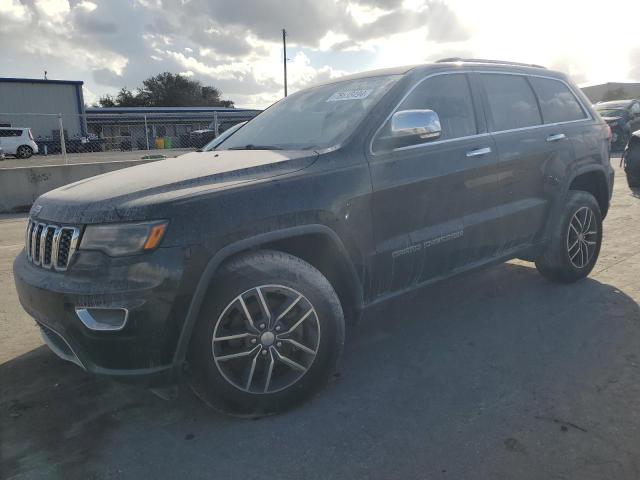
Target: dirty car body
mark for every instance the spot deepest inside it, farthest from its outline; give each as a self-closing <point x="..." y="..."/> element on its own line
<point x="377" y="217"/>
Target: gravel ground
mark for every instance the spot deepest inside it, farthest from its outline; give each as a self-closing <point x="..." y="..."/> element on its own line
<point x="497" y="374"/>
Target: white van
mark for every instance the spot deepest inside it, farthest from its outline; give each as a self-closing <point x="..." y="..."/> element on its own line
<point x="18" y="141"/>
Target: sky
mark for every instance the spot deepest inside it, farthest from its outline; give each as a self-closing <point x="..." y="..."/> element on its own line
<point x="236" y="45"/>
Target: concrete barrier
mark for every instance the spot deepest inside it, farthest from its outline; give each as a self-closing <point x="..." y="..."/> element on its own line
<point x="19" y="187"/>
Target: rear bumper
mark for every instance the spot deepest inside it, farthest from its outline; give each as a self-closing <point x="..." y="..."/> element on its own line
<point x="148" y="286"/>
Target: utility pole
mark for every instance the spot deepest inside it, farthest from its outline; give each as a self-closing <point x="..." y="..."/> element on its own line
<point x="284" y="48"/>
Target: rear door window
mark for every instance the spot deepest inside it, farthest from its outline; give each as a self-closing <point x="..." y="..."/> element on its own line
<point x="512" y="103"/>
<point x="557" y="102"/>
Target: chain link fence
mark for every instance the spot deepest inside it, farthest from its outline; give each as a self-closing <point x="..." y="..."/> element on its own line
<point x="96" y="131"/>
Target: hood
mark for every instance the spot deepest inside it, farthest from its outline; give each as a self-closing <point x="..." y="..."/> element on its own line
<point x="129" y="193"/>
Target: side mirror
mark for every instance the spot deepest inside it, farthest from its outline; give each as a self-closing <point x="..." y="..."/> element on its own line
<point x="423" y="124"/>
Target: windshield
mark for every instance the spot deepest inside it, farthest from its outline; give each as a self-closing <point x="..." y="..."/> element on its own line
<point x="213" y="144"/>
<point x="611" y="112"/>
<point x="318" y="117"/>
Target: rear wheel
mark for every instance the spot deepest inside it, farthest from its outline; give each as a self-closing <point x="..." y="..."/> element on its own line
<point x="24" y="151"/>
<point x="575" y="244"/>
<point x="633" y="180"/>
<point x="268" y="337"/>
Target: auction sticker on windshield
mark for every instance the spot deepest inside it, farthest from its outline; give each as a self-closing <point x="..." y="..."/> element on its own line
<point x="349" y="95"/>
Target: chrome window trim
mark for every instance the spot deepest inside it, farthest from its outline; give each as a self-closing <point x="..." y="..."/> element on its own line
<point x="588" y="117"/>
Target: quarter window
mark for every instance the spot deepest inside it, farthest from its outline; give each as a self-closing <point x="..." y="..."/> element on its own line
<point x="512" y="103"/>
<point x="557" y="102"/>
<point x="447" y="95"/>
<point x="10" y="133"/>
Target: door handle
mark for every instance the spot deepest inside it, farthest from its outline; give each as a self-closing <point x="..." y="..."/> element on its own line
<point x="556" y="137"/>
<point x="478" y="151"/>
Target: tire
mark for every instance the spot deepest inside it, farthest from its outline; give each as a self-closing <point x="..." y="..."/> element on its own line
<point x="562" y="262"/>
<point x="24" y="151"/>
<point x="311" y="335"/>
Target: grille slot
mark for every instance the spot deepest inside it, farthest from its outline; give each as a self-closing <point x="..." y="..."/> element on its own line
<point x="51" y="246"/>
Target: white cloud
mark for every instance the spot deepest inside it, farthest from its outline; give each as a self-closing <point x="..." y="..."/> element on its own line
<point x="87" y="6"/>
<point x="237" y="47"/>
<point x="14" y="12"/>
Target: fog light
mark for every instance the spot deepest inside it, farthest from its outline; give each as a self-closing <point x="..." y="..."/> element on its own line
<point x="103" y="318"/>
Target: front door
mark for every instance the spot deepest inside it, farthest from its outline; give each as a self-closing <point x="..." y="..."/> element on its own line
<point x="434" y="206"/>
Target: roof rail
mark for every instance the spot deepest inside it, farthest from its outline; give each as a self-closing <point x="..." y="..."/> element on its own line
<point x="484" y="60"/>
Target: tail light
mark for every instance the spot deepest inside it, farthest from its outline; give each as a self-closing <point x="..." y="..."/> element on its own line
<point x="31" y="134"/>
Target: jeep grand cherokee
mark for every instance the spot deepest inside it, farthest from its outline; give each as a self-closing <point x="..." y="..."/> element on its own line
<point x="237" y="268"/>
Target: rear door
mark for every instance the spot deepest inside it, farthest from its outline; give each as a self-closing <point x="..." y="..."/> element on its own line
<point x="529" y="153"/>
<point x="434" y="202"/>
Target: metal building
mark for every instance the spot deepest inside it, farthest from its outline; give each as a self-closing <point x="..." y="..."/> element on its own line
<point x="37" y="103"/>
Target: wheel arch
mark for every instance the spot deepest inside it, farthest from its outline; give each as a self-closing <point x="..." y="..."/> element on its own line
<point x="593" y="181"/>
<point x="289" y="240"/>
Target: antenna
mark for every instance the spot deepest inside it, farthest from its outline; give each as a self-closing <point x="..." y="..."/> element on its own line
<point x="284" y="48"/>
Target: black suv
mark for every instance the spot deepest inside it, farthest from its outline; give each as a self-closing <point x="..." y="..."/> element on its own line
<point x="623" y="116"/>
<point x="238" y="268"/>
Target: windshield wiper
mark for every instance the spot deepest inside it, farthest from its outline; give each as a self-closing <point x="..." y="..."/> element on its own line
<point x="251" y="146"/>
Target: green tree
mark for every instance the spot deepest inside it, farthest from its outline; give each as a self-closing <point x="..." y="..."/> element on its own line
<point x="168" y="90"/>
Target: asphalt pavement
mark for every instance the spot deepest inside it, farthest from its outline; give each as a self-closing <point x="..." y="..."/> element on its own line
<point x="497" y="374"/>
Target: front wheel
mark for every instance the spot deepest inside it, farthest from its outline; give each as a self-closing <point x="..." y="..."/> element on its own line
<point x="268" y="337"/>
<point x="575" y="244"/>
<point x="24" y="151"/>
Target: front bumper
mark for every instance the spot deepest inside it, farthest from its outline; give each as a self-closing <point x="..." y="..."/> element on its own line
<point x="152" y="287"/>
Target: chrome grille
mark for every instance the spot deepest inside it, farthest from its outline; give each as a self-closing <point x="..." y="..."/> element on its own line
<point x="51" y="246"/>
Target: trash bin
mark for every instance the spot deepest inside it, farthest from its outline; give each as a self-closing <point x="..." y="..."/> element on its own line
<point x="159" y="143"/>
<point x="168" y="142"/>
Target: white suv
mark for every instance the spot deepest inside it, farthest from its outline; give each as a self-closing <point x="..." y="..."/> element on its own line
<point x="18" y="141"/>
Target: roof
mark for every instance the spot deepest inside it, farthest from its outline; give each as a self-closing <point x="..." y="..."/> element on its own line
<point x="487" y="61"/>
<point x="40" y="80"/>
<point x="112" y="110"/>
<point x="499" y="64"/>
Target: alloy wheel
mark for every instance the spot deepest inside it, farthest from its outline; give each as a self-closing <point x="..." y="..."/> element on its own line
<point x="23" y="152"/>
<point x="266" y="339"/>
<point x="582" y="237"/>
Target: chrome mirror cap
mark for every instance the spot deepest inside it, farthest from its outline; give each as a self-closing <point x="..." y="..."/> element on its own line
<point x="420" y="123"/>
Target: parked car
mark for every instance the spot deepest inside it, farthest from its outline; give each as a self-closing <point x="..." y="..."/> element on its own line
<point x="18" y="141"/>
<point x="216" y="142"/>
<point x="623" y="116"/>
<point x="631" y="160"/>
<point x="200" y="138"/>
<point x="240" y="273"/>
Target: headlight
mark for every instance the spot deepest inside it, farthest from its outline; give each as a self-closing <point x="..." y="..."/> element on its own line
<point x="120" y="239"/>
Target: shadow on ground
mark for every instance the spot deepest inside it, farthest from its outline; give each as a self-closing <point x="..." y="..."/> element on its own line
<point x="497" y="374"/>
